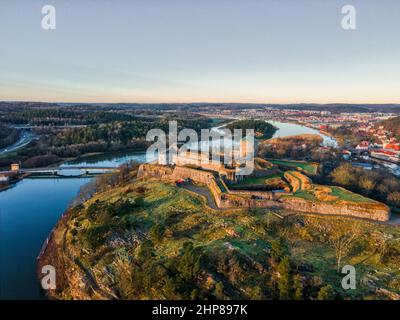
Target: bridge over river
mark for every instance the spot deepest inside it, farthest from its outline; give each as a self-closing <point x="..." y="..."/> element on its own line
<point x="68" y="171"/>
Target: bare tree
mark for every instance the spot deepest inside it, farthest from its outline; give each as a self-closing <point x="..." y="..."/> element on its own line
<point x="342" y="240"/>
<point x="341" y="235"/>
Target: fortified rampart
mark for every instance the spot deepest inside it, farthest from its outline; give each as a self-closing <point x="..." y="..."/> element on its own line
<point x="373" y="211"/>
<point x="238" y="199"/>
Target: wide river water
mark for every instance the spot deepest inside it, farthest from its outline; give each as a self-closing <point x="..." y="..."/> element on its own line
<point x="30" y="209"/>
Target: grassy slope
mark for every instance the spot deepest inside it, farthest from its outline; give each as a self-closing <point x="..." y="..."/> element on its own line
<point x="306" y="166"/>
<point x="234" y="247"/>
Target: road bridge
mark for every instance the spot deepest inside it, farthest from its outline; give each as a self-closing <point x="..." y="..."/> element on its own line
<point x="63" y="171"/>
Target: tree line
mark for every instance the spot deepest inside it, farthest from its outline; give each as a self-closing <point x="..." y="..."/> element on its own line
<point x="8" y="136"/>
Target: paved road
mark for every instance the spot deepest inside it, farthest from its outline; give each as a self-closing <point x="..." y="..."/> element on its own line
<point x="394" y="220"/>
<point x="204" y="191"/>
<point x="26" y="138"/>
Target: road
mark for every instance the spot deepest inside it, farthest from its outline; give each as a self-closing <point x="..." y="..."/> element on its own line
<point x="26" y="138"/>
<point x="203" y="191"/>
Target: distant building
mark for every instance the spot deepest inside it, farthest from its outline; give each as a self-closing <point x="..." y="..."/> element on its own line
<point x="346" y="154"/>
<point x="323" y="127"/>
<point x="386" y="155"/>
<point x="4" y="178"/>
<point x="393" y="147"/>
<point x="364" y="145"/>
<point x="15" y="167"/>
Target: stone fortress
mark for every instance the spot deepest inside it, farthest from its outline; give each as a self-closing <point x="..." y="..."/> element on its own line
<point x="215" y="175"/>
<point x="229" y="168"/>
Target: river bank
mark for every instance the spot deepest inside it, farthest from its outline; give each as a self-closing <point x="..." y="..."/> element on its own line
<point x="28" y="212"/>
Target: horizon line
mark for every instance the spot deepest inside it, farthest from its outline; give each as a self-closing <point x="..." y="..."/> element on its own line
<point x="205" y="102"/>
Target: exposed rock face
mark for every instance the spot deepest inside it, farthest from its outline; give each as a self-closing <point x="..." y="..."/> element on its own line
<point x="237" y="199"/>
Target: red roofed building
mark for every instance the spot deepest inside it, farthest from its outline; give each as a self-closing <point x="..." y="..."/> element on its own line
<point x="364" y="145"/>
<point x="386" y="155"/>
<point x="393" y="147"/>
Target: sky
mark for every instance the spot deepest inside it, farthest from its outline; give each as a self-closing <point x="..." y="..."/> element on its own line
<point x="271" y="51"/>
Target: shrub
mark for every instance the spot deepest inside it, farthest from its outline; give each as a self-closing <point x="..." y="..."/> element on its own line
<point x="279" y="249"/>
<point x="95" y="236"/>
<point x="157" y="232"/>
<point x="326" y="293"/>
<point x="189" y="262"/>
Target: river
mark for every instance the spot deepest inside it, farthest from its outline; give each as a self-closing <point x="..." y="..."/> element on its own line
<point x="289" y="129"/>
<point x="28" y="212"/>
<point x="30" y="209"/>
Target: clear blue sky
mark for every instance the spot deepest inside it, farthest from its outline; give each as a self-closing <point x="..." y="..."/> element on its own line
<point x="206" y="50"/>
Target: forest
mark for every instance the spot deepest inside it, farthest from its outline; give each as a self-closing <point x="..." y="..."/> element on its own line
<point x="69" y="132"/>
<point x="8" y="136"/>
<point x="262" y="129"/>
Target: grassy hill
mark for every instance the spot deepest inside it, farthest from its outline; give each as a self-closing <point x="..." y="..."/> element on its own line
<point x="151" y="240"/>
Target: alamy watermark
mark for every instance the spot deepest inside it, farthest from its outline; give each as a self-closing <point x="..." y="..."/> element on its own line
<point x="349" y="17"/>
<point x="349" y="280"/>
<point x="216" y="147"/>
<point x="49" y="18"/>
<point x="48" y="281"/>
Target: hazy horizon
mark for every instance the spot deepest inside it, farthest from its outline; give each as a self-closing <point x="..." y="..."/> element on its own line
<point x="200" y="102"/>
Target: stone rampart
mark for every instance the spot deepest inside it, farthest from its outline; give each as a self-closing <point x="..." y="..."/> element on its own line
<point x="238" y="199"/>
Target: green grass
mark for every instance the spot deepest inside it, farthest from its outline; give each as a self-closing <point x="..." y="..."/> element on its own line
<point x="255" y="181"/>
<point x="306" y="166"/>
<point x="348" y="196"/>
<point x="343" y="195"/>
<point x="304" y="194"/>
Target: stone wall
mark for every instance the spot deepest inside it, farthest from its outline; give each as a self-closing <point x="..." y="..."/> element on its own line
<point x="174" y="173"/>
<point x="240" y="199"/>
<point x="374" y="211"/>
<point x="260" y="195"/>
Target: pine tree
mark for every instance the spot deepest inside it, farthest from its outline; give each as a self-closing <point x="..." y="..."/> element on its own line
<point x="298" y="287"/>
<point x="284" y="279"/>
<point x="278" y="250"/>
